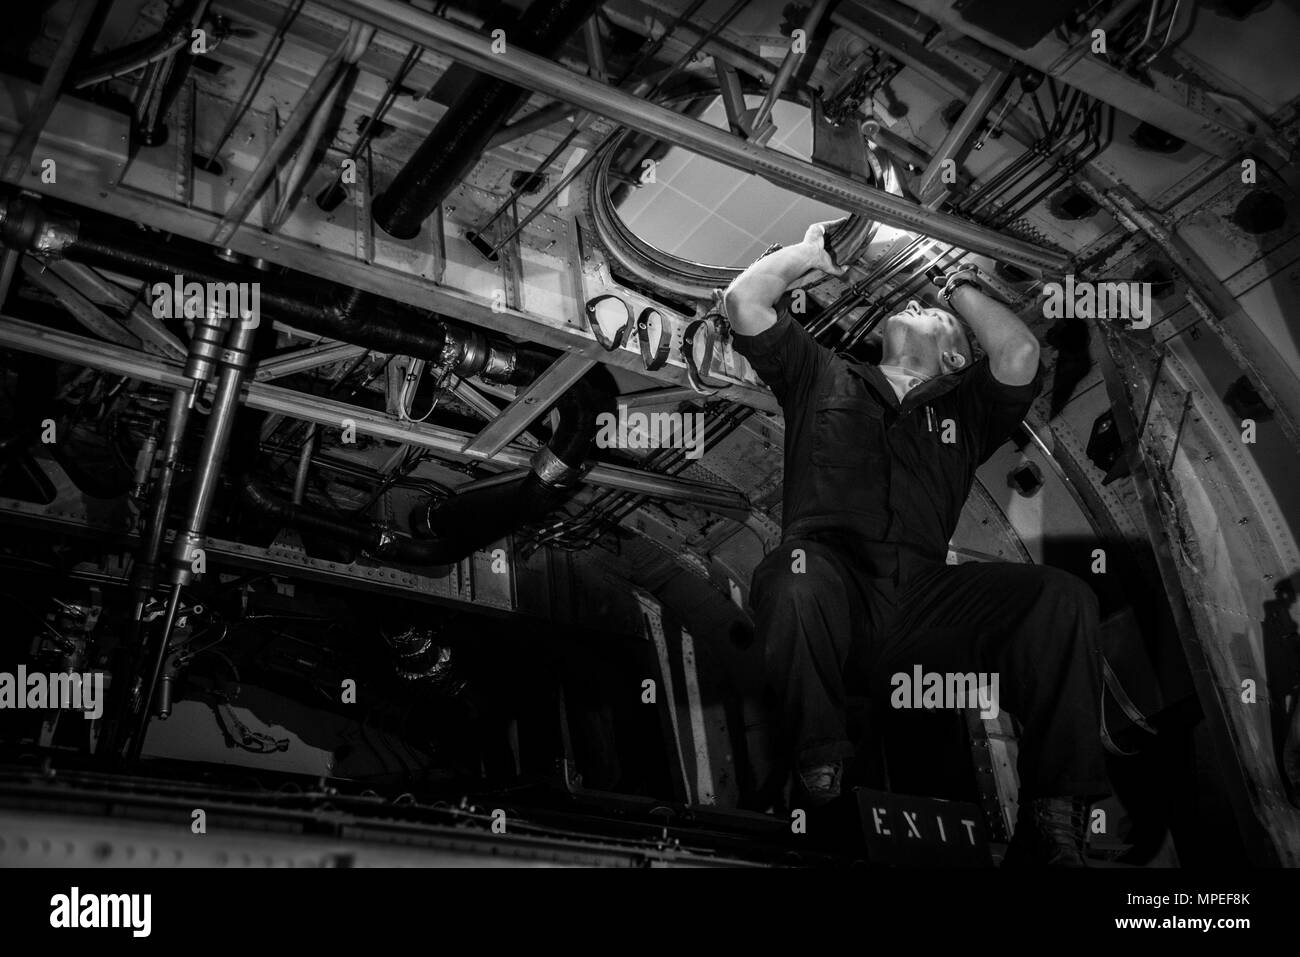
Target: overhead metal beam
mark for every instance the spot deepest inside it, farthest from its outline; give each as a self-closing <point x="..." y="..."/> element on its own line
<point x="78" y="306"/>
<point x="648" y="397"/>
<point x="139" y="320"/>
<point x="529" y="404"/>
<point x="54" y="344"/>
<point x="686" y="34"/>
<point x="539" y="119"/>
<point x="543" y="76"/>
<point x="303" y="360"/>
<point x="475" y="399"/>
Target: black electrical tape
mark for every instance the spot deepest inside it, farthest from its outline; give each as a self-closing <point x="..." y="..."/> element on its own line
<point x="830" y="250"/>
<point x="656" y="359"/>
<point x="624" y="332"/>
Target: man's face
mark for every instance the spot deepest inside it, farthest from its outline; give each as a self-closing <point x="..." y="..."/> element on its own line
<point x="932" y="336"/>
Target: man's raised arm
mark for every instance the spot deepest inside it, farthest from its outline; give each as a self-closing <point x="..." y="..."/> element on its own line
<point x="751" y="298"/>
<point x="1012" y="349"/>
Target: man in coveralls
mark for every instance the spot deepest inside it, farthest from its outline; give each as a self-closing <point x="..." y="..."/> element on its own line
<point x="859" y="587"/>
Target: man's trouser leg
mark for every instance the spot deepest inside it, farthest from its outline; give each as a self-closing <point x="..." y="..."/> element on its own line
<point x="805" y="621"/>
<point x="1037" y="627"/>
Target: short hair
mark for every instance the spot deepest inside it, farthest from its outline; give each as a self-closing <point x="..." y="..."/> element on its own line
<point x="972" y="344"/>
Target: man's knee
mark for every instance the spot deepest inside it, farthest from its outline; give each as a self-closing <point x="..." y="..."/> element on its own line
<point x="1068" y="594"/>
<point x="798" y="573"/>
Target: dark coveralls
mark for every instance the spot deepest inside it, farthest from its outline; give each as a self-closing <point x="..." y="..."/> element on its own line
<point x="872" y="496"/>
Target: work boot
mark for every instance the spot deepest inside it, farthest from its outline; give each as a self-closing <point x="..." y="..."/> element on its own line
<point x="1049" y="833"/>
<point x="821" y="782"/>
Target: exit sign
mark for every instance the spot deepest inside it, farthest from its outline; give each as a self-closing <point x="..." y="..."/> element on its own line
<point x="922" y="832"/>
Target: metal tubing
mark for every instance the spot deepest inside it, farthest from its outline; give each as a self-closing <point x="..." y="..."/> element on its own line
<point x="235" y="361"/>
<point x="319" y="122"/>
<point x="160" y="656"/>
<point x="595" y="52"/>
<point x="1152" y="17"/>
<point x="1182" y="423"/>
<point x="526" y="182"/>
<point x="1169" y="32"/>
<point x="312" y="357"/>
<point x="551" y="79"/>
<point x="302" y="115"/>
<point x="304" y="465"/>
<point x="988" y="93"/>
<point x="381" y="110"/>
<point x="169" y="453"/>
<point x="539" y="119"/>
<point x="787" y="67"/>
<point x="255" y="81"/>
<point x="65" y="347"/>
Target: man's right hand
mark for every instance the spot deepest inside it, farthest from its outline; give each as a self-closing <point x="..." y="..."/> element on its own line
<point x="819" y="250"/>
<point x="751" y="298"/>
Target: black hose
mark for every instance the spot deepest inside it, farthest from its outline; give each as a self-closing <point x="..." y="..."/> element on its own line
<point x="454" y="526"/>
<point x="458" y="140"/>
<point x="305" y="302"/>
<point x="305" y="518"/>
<point x="328" y="309"/>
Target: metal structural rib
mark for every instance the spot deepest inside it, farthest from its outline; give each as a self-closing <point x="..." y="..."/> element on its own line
<point x="543" y="76"/>
<point x="1093" y="76"/>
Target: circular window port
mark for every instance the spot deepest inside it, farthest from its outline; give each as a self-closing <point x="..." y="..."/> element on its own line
<point x="685" y="225"/>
